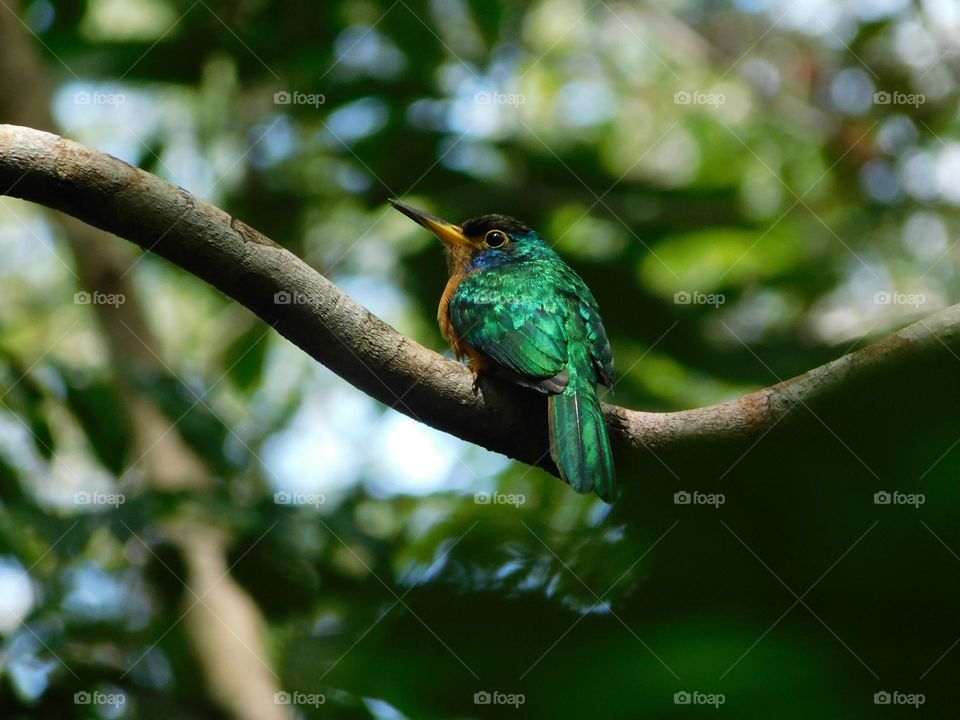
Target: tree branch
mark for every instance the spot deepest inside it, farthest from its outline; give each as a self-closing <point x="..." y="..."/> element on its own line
<point x="339" y="333"/>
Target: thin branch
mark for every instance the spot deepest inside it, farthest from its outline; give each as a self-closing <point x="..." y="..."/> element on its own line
<point x="319" y="318"/>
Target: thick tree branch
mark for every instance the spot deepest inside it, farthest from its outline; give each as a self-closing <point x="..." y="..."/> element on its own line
<point x="336" y="331"/>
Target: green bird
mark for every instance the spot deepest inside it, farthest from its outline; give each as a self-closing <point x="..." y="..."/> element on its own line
<point x="514" y="307"/>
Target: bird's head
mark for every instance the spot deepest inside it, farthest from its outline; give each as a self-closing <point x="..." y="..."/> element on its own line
<point x="484" y="241"/>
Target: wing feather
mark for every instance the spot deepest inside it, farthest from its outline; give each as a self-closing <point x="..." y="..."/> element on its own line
<point x="523" y="331"/>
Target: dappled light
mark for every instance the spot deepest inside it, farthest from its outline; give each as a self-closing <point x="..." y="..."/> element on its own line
<point x="199" y="520"/>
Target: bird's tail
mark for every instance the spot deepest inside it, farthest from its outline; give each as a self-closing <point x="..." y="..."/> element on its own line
<point x="578" y="440"/>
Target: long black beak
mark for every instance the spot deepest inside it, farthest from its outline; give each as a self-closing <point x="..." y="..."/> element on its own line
<point x="448" y="232"/>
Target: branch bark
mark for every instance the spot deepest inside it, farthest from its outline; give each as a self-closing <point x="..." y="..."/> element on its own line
<point x="318" y="317"/>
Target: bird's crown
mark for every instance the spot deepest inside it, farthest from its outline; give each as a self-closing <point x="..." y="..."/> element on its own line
<point x="482" y="224"/>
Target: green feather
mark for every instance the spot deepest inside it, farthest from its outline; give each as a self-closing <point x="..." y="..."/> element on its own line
<point x="578" y="439"/>
<point x="531" y="313"/>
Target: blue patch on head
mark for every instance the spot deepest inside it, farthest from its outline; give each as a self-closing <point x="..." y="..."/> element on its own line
<point x="488" y="260"/>
<point x="528" y="246"/>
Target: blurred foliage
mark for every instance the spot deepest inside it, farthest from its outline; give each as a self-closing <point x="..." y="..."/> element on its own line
<point x="798" y="161"/>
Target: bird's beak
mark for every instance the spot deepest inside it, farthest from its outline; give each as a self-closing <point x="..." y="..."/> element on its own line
<point x="448" y="232"/>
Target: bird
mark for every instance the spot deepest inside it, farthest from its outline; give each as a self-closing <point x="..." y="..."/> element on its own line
<point x="513" y="308"/>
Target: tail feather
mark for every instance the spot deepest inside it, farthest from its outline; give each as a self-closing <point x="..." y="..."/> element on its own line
<point x="578" y="441"/>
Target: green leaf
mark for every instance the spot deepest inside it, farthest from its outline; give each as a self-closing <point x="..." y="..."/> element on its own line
<point x="706" y="260"/>
<point x="189" y="409"/>
<point x="244" y="357"/>
<point x="98" y="411"/>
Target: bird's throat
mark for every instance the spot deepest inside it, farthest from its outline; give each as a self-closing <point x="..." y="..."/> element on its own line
<point x="458" y="258"/>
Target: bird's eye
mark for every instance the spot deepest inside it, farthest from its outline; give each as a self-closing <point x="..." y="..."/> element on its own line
<point x="495" y="238"/>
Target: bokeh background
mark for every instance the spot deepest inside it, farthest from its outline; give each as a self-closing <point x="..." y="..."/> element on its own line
<point x="195" y="516"/>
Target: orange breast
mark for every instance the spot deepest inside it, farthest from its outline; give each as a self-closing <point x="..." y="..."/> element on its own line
<point x="461" y="348"/>
<point x="450" y="333"/>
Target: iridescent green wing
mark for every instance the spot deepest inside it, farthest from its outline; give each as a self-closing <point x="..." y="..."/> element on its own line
<point x="601" y="354"/>
<point x="515" y="317"/>
<point x="600" y="351"/>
